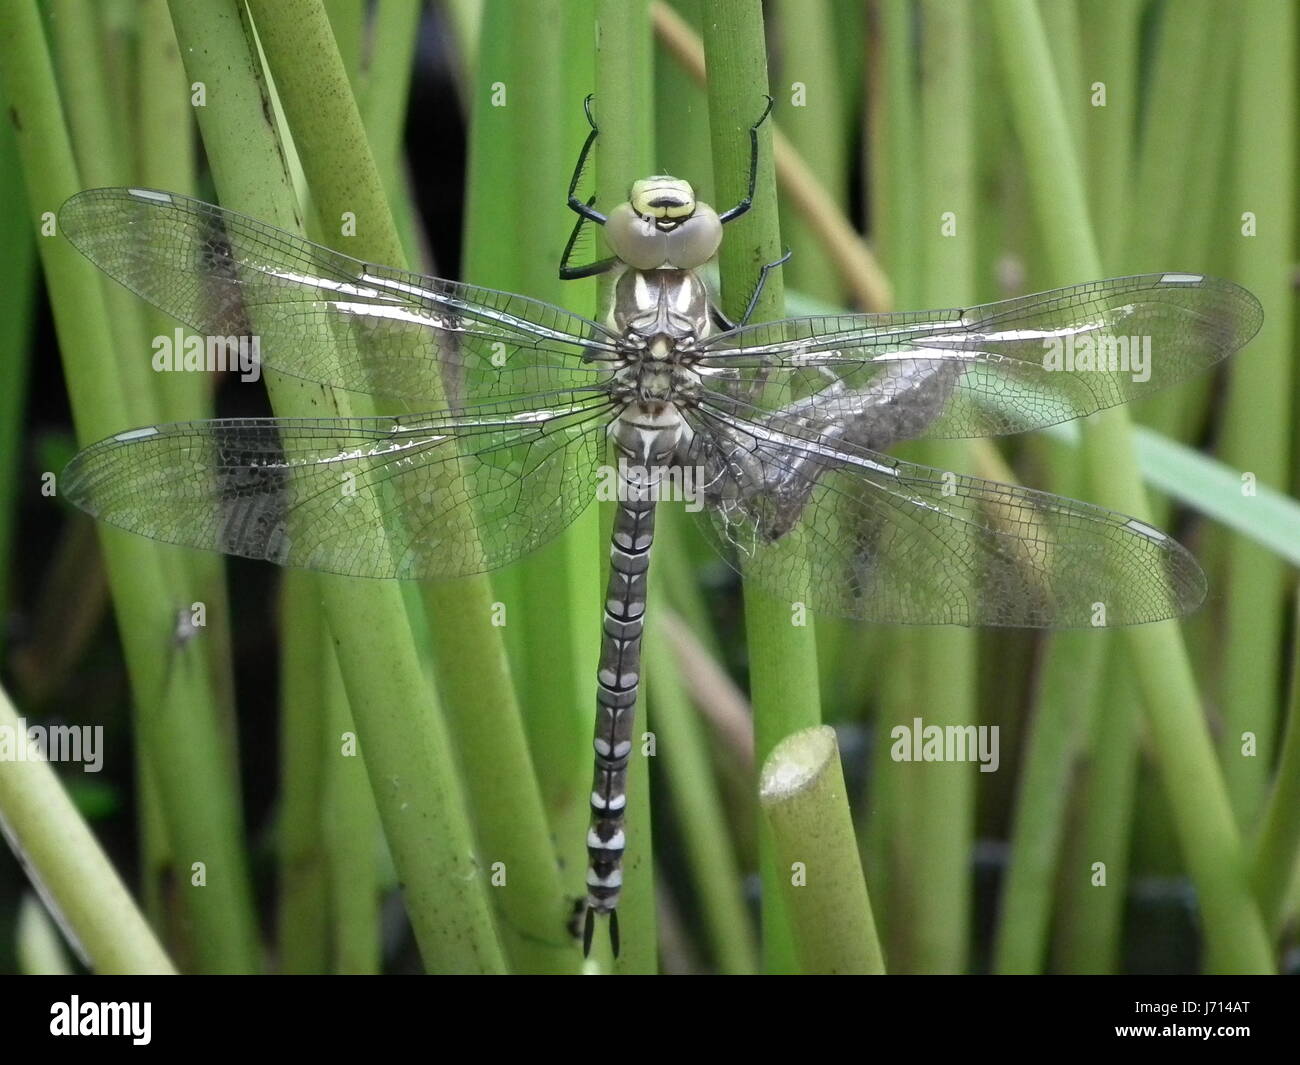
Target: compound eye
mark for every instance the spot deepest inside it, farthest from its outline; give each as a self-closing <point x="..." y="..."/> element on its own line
<point x="696" y="240"/>
<point x="636" y="240"/>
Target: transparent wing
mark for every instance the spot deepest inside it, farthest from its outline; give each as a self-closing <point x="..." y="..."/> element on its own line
<point x="411" y="497"/>
<point x="325" y="317"/>
<point x="852" y="532"/>
<point x="998" y="368"/>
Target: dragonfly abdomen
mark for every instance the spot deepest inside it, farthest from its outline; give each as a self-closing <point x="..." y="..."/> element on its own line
<point x="642" y="449"/>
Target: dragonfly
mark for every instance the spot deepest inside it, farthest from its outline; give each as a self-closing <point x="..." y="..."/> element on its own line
<point x="512" y="412"/>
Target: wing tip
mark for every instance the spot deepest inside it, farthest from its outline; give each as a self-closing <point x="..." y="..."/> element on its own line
<point x="1241" y="323"/>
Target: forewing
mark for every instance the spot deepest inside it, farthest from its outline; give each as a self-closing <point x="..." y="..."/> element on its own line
<point x="412" y="497"/>
<point x="325" y="317"/>
<point x="998" y="368"/>
<point x="851" y="532"/>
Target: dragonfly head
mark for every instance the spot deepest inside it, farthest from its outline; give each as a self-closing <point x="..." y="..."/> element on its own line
<point x="669" y="201"/>
<point x="662" y="225"/>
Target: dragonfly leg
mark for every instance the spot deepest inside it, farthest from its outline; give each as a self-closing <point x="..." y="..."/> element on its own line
<point x="585" y="210"/>
<point x="572" y="273"/>
<point x="748" y="202"/>
<point x="723" y="322"/>
<point x="719" y="319"/>
<point x="758" y="286"/>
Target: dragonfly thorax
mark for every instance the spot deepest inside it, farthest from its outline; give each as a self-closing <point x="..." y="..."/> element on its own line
<point x="667" y="310"/>
<point x="661" y="315"/>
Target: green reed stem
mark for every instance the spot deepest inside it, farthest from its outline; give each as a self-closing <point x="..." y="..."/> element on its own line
<point x="805" y="805"/>
<point x="61" y="853"/>
<point x="352" y="834"/>
<point x="407" y="749"/>
<point x="176" y="714"/>
<point x="1278" y="842"/>
<point x="895" y="209"/>
<point x="943" y="795"/>
<point x="302" y="908"/>
<point x="700" y="815"/>
<point x="1260" y="416"/>
<point x="17" y="276"/>
<point x="1081" y="667"/>
<point x="1235" y="935"/>
<point x="818" y="132"/>
<point x="782" y="649"/>
<point x="547" y="599"/>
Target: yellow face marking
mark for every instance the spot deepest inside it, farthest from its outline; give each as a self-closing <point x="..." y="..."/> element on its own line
<point x="662" y="197"/>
